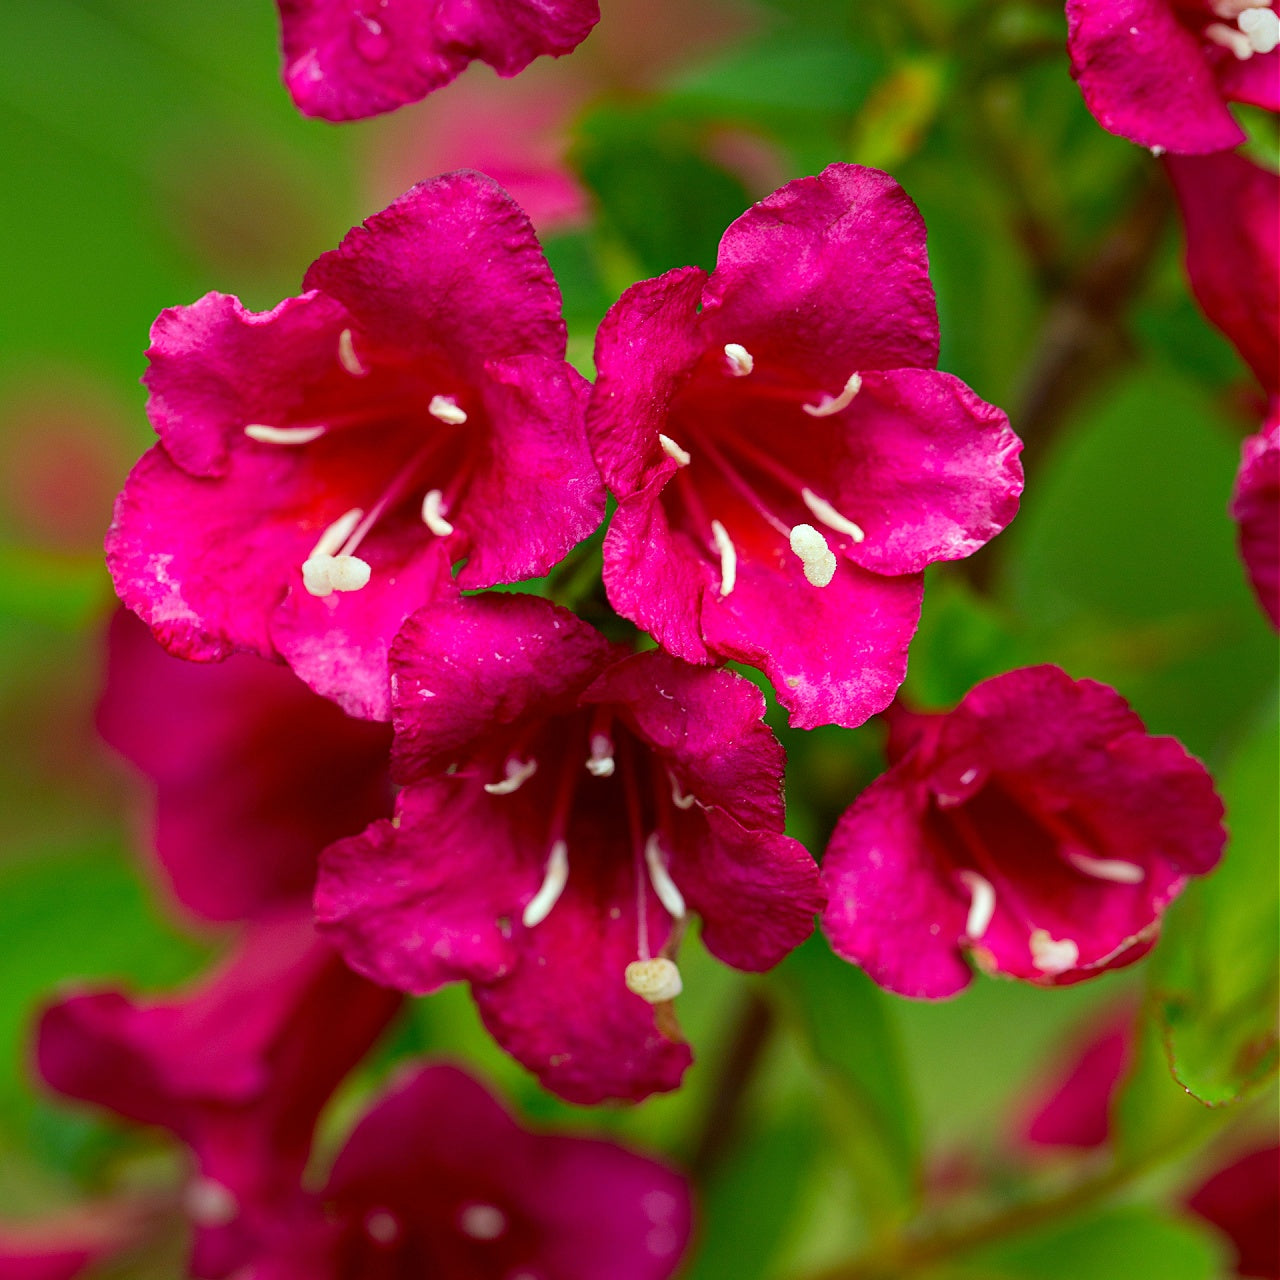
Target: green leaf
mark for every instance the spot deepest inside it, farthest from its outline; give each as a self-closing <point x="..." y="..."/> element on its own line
<point x="847" y="1023"/>
<point x="1127" y="1243"/>
<point x="1216" y="970"/>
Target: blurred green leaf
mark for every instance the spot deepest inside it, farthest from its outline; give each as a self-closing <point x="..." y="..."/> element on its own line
<point x="847" y="1022"/>
<point x="897" y="115"/>
<point x="1216" y="969"/>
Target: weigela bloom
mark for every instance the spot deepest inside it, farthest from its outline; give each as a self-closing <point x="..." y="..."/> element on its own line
<point x="1161" y="72"/>
<point x="1255" y="506"/>
<point x="321" y="464"/>
<point x="1037" y="827"/>
<point x="438" y="1180"/>
<point x="238" y="1068"/>
<point x="68" y="1245"/>
<point x="347" y="59"/>
<point x="565" y="808"/>
<point x="785" y="455"/>
<point x="253" y="773"/>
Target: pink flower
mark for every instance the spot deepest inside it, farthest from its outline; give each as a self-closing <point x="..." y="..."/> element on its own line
<point x="1255" y="507"/>
<point x="785" y="456"/>
<point x="1231" y="215"/>
<point x="253" y="773"/>
<point x="347" y="59"/>
<point x="566" y="807"/>
<point x="1037" y="827"/>
<point x="438" y="1180"/>
<point x="1243" y="1201"/>
<point x="238" y="1068"/>
<point x="322" y="464"/>
<point x="66" y="1246"/>
<point x="1161" y="72"/>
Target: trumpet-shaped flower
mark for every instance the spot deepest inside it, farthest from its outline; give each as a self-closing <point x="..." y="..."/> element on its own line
<point x="785" y="455"/>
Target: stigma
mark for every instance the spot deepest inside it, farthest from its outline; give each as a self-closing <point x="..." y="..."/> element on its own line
<point x="1052" y="955"/>
<point x="327" y="569"/>
<point x="655" y="981"/>
<point x="815" y="555"/>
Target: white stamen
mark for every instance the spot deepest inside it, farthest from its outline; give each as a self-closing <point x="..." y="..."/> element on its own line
<point x="210" y="1204"/>
<point x="347" y="357"/>
<point x="1051" y="955"/>
<point x="833" y="519"/>
<point x="678" y="797"/>
<point x="433" y="514"/>
<point x="518" y="772"/>
<point x="982" y="904"/>
<point x="600" y="762"/>
<point x="539" y="907"/>
<point x="968" y="776"/>
<point x="349" y="573"/>
<point x="482" y="1221"/>
<point x="382" y="1227"/>
<point x="833" y="404"/>
<point x="728" y="557"/>
<point x="1114" y="869"/>
<point x="337" y="533"/>
<point x="673" y="450"/>
<point x="741" y="361"/>
<point x="1230" y="10"/>
<point x="1229" y="38"/>
<point x="663" y="885"/>
<point x="283" y="435"/>
<point x="656" y="980"/>
<point x="1262" y="27"/>
<point x="446" y="409"/>
<point x="818" y="559"/>
<point x="1157" y="152"/>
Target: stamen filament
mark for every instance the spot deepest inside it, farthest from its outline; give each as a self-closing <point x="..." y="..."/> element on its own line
<point x="833" y="519"/>
<point x="735" y="478"/>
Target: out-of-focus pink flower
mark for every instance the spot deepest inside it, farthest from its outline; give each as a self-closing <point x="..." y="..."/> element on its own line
<point x="565" y="808"/>
<point x="66" y="1246"/>
<point x="438" y="1180"/>
<point x="1243" y="1201"/>
<point x="1255" y="506"/>
<point x="238" y="1068"/>
<point x="253" y="773"/>
<point x="347" y="59"/>
<point x="786" y="458"/>
<point x="1231" y="213"/>
<point x="414" y="406"/>
<point x="1037" y="827"/>
<point x="1161" y="72"/>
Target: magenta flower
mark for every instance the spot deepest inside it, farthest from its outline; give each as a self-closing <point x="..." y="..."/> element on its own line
<point x="1037" y="827"/>
<point x="1231" y="213"/>
<point x="67" y="1246"/>
<point x="347" y="59"/>
<point x="253" y="773"/>
<point x="438" y="1180"/>
<point x="1255" y="506"/>
<point x="320" y="465"/>
<point x="1161" y="72"/>
<point x="238" y="1068"/>
<point x="1243" y="1201"/>
<point x="565" y="808"/>
<point x="785" y="456"/>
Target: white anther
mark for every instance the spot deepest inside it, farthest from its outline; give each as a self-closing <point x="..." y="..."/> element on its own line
<point x="833" y="404"/>
<point x="331" y="540"/>
<point x="382" y="1227"/>
<point x="663" y="885"/>
<point x="1230" y="38"/>
<point x="818" y="559"/>
<point x="283" y="435"/>
<point x="673" y="450"/>
<point x="1262" y="27"/>
<point x="1114" y="869"/>
<point x="433" y="514"/>
<point x="678" y="797"/>
<point x="969" y="775"/>
<point x="553" y="883"/>
<point x="600" y="762"/>
<point x="741" y="361"/>
<point x="347" y="357"/>
<point x="656" y="980"/>
<point x="210" y="1204"/>
<point x="518" y="772"/>
<point x="1051" y="955"/>
<point x="482" y="1221"/>
<point x="447" y="410"/>
<point x="833" y="519"/>
<point x="728" y="557"/>
<point x="982" y="904"/>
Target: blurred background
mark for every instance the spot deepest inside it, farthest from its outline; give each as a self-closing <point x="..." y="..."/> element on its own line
<point x="149" y="154"/>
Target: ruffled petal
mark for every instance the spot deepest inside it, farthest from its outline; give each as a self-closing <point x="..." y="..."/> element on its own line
<point x="1255" y="507"/>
